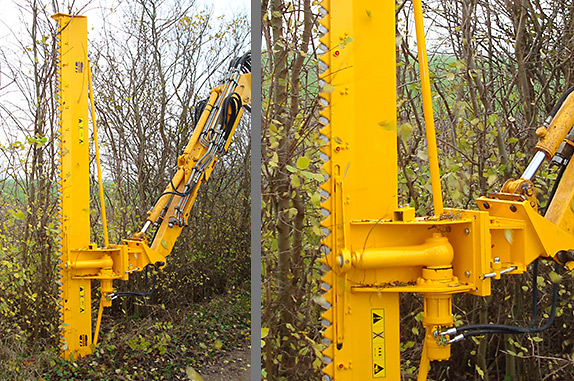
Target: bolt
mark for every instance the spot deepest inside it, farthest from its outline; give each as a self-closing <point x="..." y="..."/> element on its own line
<point x="467" y="231"/>
<point x="340" y="260"/>
<point x="467" y="274"/>
<point x="341" y="366"/>
<point x="513" y="208"/>
<point x="336" y="53"/>
<point x="496" y="260"/>
<point x="486" y="205"/>
<point x="337" y="148"/>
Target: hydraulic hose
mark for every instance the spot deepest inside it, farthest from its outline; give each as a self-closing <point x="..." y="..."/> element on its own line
<point x="481" y="329"/>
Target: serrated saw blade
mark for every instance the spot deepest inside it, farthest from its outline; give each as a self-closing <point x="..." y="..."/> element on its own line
<point x="73" y="186"/>
<point x="358" y="95"/>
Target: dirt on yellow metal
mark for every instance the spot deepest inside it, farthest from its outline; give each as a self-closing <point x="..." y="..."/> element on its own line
<point x="73" y="190"/>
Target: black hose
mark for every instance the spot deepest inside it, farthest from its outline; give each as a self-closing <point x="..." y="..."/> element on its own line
<point x="555" y="186"/>
<point x="198" y="110"/>
<point x="146" y="292"/>
<point x="481" y="329"/>
<point x="560" y="102"/>
<point x="230" y="107"/>
<point x="242" y="63"/>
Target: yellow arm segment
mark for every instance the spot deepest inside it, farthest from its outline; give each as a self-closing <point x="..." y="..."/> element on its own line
<point x="210" y="139"/>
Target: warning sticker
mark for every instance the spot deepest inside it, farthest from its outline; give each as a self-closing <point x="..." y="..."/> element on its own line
<point x="82" y="300"/>
<point x="81" y="131"/>
<point x="378" y="342"/>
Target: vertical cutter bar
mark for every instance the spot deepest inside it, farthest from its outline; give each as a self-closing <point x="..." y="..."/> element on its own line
<point x="74" y="195"/>
<point x="360" y="124"/>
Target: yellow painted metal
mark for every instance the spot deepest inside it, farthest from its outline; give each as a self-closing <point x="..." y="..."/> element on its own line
<point x="194" y="151"/>
<point x="97" y="151"/>
<point x="435" y="251"/>
<point x="374" y="250"/>
<point x="355" y="44"/>
<point x="552" y="137"/>
<point x="427" y="108"/>
<point x="73" y="191"/>
<point x="561" y="209"/>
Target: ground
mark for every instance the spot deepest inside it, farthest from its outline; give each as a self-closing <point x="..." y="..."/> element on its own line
<point x="233" y="366"/>
<point x="207" y="341"/>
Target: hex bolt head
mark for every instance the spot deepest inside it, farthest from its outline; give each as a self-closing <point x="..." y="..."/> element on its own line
<point x="486" y="205"/>
<point x="513" y="208"/>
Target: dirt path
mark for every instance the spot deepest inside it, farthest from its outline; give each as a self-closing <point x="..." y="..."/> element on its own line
<point x="232" y="366"/>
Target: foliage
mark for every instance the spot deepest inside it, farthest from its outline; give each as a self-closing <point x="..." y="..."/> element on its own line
<point x="144" y="123"/>
<point x="290" y="171"/>
<point x="164" y="346"/>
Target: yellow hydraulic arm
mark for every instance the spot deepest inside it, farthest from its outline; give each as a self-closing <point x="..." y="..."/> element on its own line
<point x="81" y="261"/>
<point x="376" y="249"/>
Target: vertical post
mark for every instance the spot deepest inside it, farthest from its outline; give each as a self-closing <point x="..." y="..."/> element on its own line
<point x="73" y="191"/>
<point x="427" y="108"/>
<point x="360" y="123"/>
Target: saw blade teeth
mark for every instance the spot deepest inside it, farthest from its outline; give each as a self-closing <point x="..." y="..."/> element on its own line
<point x="326" y="186"/>
<point x="327" y="316"/>
<point x="326" y="189"/>
<point x="328" y="353"/>
<point x="328" y="295"/>
<point x="329" y="371"/>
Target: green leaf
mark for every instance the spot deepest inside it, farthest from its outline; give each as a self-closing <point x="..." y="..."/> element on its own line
<point x="449" y="76"/>
<point x="555" y="277"/>
<point x="264" y="332"/>
<point x="192" y="374"/>
<point x="292" y="212"/>
<point x="290" y="168"/>
<point x="295" y="182"/>
<point x="479" y="371"/>
<point x="346" y="41"/>
<point x="316" y="199"/>
<point x="303" y="162"/>
<point x="19" y="215"/>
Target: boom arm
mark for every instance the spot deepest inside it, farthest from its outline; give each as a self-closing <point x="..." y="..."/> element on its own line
<point x="211" y="138"/>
